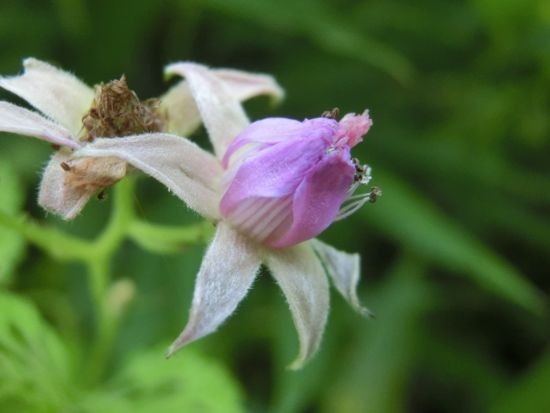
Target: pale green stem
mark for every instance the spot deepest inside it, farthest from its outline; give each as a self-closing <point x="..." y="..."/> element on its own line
<point x="106" y="324"/>
<point x="56" y="244"/>
<point x="121" y="217"/>
<point x="97" y="255"/>
<point x="168" y="239"/>
<point x="98" y="265"/>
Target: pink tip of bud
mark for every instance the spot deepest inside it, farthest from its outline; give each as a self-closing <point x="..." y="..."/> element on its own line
<point x="353" y="127"/>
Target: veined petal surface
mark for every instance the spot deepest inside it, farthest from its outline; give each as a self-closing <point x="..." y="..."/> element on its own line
<point x="274" y="172"/>
<point x="318" y="198"/>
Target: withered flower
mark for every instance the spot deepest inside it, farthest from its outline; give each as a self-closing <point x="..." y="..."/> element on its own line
<point x="74" y="115"/>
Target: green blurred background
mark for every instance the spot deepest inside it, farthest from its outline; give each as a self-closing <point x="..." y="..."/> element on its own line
<point x="455" y="254"/>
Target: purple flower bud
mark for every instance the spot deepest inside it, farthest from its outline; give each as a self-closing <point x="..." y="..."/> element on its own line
<point x="286" y="180"/>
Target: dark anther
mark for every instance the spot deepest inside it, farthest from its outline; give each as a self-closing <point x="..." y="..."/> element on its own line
<point x="359" y="170"/>
<point x="331" y="114"/>
<point x="56" y="147"/>
<point x="375" y="193"/>
<point x="65" y="166"/>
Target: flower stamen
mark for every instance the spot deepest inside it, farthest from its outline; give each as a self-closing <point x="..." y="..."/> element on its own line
<point x="355" y="201"/>
<point x="331" y="114"/>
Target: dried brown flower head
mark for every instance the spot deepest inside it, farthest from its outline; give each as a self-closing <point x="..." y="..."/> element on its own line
<point x="117" y="111"/>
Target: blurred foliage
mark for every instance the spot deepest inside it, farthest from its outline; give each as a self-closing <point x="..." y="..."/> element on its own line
<point x="455" y="253"/>
<point x="39" y="374"/>
<point x="12" y="243"/>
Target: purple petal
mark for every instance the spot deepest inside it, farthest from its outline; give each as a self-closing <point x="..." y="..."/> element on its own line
<point x="226" y="274"/>
<point x="274" y="172"/>
<point x="276" y="130"/>
<point x="266" y="131"/>
<point x="318" y="199"/>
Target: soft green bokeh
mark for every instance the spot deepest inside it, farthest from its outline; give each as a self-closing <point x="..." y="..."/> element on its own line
<point x="11" y="243"/>
<point x="455" y="253"/>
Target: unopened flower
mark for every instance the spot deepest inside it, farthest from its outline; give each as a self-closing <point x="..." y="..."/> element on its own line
<point x="272" y="187"/>
<point x="73" y="115"/>
<point x="286" y="181"/>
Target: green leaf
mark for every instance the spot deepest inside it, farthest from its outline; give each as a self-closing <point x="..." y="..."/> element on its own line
<point x="530" y="392"/>
<point x="12" y="244"/>
<point x="37" y="375"/>
<point x="464" y="366"/>
<point x="419" y="225"/>
<point x="375" y="378"/>
<point x="318" y="22"/>
<point x="35" y="368"/>
<point x="150" y="383"/>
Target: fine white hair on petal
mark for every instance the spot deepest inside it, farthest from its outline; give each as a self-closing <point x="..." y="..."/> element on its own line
<point x="22" y="121"/>
<point x="187" y="170"/>
<point x="221" y="112"/>
<point x="227" y="272"/>
<point x="54" y="92"/>
<point x="183" y="116"/>
<point x="304" y="284"/>
<point x="57" y="197"/>
<point x="344" y="271"/>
